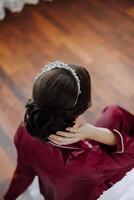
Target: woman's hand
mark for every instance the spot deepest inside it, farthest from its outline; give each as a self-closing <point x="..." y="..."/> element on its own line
<point x="82" y="132"/>
<point x="76" y="133"/>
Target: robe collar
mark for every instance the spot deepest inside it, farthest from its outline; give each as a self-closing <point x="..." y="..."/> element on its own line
<point x="81" y="144"/>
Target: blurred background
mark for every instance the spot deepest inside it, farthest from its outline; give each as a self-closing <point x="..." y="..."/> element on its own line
<point x="97" y="34"/>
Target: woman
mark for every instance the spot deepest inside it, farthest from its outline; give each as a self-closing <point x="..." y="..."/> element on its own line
<point x="71" y="163"/>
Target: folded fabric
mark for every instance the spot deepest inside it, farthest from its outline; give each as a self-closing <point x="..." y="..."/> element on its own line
<point x="32" y="193"/>
<point x="122" y="190"/>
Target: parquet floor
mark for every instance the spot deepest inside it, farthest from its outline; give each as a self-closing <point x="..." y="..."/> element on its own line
<point x="98" y="34"/>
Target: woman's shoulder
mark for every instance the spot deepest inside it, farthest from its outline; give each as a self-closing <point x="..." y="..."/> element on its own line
<point x="22" y="138"/>
<point x="18" y="134"/>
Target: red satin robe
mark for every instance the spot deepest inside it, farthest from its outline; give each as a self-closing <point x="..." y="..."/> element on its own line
<point x="81" y="171"/>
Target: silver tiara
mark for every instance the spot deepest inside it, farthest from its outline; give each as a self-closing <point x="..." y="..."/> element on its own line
<point x="59" y="64"/>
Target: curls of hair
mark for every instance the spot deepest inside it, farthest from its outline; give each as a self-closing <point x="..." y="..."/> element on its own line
<point x="41" y="121"/>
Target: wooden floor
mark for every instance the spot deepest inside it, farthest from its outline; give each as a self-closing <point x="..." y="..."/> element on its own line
<point x="98" y="34"/>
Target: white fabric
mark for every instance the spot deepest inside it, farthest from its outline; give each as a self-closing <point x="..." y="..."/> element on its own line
<point x="32" y="193"/>
<point x="14" y="5"/>
<point x="122" y="190"/>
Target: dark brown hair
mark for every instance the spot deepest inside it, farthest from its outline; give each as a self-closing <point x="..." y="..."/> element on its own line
<point x="51" y="108"/>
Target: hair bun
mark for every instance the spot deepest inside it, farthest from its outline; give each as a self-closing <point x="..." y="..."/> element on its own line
<point x="41" y="121"/>
<point x="37" y="118"/>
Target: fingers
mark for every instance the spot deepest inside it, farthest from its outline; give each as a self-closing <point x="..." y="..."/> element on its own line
<point x="59" y="138"/>
<point x="72" y="129"/>
<point x="62" y="140"/>
<point x="66" y="134"/>
<point x="74" y="140"/>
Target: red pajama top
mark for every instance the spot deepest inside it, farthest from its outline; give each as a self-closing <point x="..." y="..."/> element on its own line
<point x="81" y="171"/>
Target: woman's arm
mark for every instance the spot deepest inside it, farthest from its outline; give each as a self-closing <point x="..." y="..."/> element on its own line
<point x="103" y="135"/>
<point x="83" y="132"/>
<point x="22" y="178"/>
<point x="23" y="174"/>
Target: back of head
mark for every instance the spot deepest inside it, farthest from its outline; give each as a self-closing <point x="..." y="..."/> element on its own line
<point x="52" y="107"/>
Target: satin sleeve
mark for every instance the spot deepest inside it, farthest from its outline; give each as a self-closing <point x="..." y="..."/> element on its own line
<point x="102" y="165"/>
<point x="23" y="174"/>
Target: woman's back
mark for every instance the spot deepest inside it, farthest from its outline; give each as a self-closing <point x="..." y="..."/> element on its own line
<point x="60" y="94"/>
<point x="76" y="172"/>
<point x="73" y="172"/>
<point x="62" y="171"/>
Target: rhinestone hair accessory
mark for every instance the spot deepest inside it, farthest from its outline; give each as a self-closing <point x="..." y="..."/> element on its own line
<point x="59" y="64"/>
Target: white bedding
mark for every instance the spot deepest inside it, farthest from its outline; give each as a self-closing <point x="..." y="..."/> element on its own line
<point x="14" y="5"/>
<point x="32" y="193"/>
<point x="122" y="190"/>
